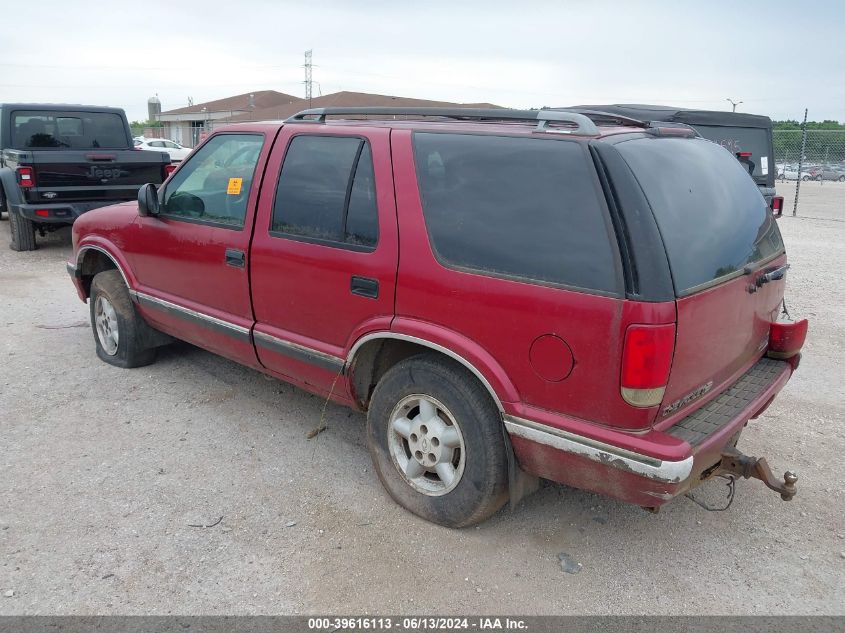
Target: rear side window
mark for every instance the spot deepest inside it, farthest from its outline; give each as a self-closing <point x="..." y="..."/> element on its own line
<point x="712" y="217"/>
<point x="326" y="193"/>
<point x="74" y="130"/>
<point x="515" y="207"/>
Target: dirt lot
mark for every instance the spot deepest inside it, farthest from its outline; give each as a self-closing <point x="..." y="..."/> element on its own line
<point x="102" y="470"/>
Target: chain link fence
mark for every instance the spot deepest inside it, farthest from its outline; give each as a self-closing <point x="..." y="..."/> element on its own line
<point x="823" y="157"/>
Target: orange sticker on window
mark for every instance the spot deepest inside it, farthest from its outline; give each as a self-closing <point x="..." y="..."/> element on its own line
<point x="234" y="188"/>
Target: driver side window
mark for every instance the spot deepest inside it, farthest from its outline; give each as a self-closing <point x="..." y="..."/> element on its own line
<point x="213" y="186"/>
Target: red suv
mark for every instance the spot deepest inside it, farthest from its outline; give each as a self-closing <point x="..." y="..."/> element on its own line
<point x="507" y="294"/>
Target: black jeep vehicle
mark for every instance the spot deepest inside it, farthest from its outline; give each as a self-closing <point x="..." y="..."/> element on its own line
<point x="747" y="136"/>
<point x="59" y="161"/>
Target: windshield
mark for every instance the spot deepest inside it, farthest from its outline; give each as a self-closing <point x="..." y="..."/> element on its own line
<point x="713" y="219"/>
<point x="744" y="139"/>
<point x="68" y="130"/>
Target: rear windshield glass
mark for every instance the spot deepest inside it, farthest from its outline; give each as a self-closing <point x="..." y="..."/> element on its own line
<point x="515" y="207"/>
<point x="712" y="217"/>
<point x="744" y="139"/>
<point x="68" y="130"/>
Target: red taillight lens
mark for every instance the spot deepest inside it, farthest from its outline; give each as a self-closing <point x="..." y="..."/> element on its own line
<point x="169" y="169"/>
<point x="646" y="359"/>
<point x="777" y="206"/>
<point x="26" y="176"/>
<point x="42" y="213"/>
<point x="787" y="339"/>
<point x="743" y="154"/>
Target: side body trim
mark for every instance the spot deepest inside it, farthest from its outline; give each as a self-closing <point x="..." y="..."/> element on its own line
<point x="643" y="465"/>
<point x="299" y="352"/>
<point x="238" y="332"/>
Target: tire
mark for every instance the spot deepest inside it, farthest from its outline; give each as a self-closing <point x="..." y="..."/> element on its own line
<point x="116" y="325"/>
<point x="4" y="209"/>
<point x="805" y="178"/>
<point x="426" y="395"/>
<point x="23" y="232"/>
<point x="841" y="178"/>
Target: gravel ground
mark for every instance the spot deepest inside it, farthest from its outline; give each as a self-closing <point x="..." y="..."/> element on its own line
<point x="102" y="472"/>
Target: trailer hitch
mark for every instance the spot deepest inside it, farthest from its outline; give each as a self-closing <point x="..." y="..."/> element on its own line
<point x="735" y="463"/>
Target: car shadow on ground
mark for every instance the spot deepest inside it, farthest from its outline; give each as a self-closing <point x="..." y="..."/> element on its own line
<point x="583" y="510"/>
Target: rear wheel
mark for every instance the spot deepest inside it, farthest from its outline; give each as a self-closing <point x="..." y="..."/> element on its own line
<point x="116" y="324"/>
<point x="22" y="230"/>
<point x="435" y="437"/>
<point x="841" y="178"/>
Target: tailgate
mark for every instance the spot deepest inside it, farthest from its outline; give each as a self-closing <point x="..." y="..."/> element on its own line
<point x="721" y="331"/>
<point x="63" y="175"/>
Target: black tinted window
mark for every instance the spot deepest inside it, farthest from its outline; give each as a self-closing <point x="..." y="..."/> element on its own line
<point x="75" y="130"/>
<point x="326" y="192"/>
<point x="712" y="217"/>
<point x="518" y="207"/>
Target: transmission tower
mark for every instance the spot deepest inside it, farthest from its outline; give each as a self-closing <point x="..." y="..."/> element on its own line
<point x="308" y="77"/>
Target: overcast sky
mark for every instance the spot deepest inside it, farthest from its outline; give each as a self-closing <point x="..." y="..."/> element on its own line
<point x="777" y="57"/>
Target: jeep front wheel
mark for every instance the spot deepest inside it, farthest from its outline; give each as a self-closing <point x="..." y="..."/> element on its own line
<point x="116" y="325"/>
<point x="436" y="440"/>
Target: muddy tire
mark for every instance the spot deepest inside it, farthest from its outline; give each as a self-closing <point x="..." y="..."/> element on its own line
<point x="435" y="437"/>
<point x="117" y="326"/>
<point x="23" y="232"/>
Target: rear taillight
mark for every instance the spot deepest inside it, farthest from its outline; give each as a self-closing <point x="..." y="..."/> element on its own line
<point x="169" y="169"/>
<point x="26" y="176"/>
<point x="646" y="359"/>
<point x="42" y="213"/>
<point x="786" y="339"/>
<point x="777" y="206"/>
<point x="743" y="154"/>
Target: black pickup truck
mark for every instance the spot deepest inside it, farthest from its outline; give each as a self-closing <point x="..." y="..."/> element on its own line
<point x="59" y="161"/>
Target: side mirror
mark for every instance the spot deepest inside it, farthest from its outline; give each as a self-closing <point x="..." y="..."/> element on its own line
<point x="148" y="200"/>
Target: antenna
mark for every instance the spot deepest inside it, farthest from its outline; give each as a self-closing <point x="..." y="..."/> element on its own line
<point x="308" y="76"/>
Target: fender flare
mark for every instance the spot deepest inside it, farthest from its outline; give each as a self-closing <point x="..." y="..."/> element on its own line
<point x="443" y="349"/>
<point x="11" y="190"/>
<point x="122" y="267"/>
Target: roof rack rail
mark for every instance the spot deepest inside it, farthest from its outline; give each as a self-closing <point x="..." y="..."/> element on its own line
<point x="609" y="116"/>
<point x="582" y="124"/>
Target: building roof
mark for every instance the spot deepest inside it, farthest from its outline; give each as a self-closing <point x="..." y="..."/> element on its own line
<point x="239" y="103"/>
<point x="344" y="99"/>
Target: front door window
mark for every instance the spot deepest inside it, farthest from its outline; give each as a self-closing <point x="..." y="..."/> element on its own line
<point x="213" y="186"/>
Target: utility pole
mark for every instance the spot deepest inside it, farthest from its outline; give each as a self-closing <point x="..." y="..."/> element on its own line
<point x="733" y="103"/>
<point x="308" y="77"/>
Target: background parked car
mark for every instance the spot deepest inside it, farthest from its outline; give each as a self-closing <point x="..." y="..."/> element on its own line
<point x="176" y="151"/>
<point x="827" y="172"/>
<point x="789" y="172"/>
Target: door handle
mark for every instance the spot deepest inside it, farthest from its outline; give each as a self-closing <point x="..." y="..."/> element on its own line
<point x="364" y="287"/>
<point x="235" y="258"/>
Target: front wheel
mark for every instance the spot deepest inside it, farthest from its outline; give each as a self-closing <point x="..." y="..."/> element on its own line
<point x="841" y="178"/>
<point x="436" y="439"/>
<point x="116" y="324"/>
